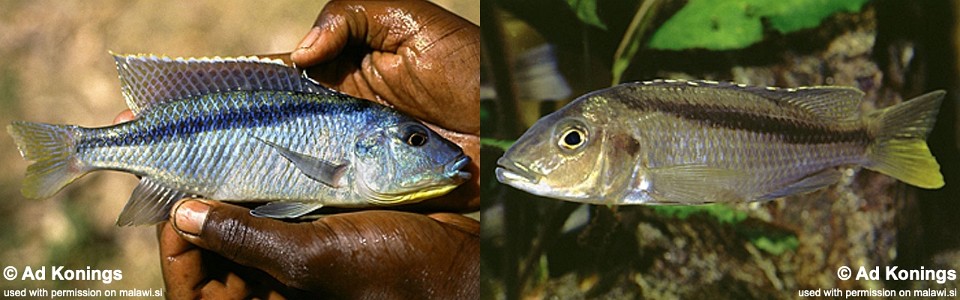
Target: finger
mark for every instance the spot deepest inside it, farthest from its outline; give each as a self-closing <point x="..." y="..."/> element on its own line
<point x="233" y="287"/>
<point x="336" y="253"/>
<point x="232" y="232"/>
<point x="124" y="116"/>
<point x="382" y="26"/>
<point x="328" y="36"/>
<point x="180" y="263"/>
<point x="462" y="223"/>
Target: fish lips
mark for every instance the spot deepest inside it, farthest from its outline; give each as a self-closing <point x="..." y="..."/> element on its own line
<point x="510" y="172"/>
<point x="455" y="169"/>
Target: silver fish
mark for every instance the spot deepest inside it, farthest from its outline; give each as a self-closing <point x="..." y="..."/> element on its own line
<point x="243" y="129"/>
<point x="690" y="142"/>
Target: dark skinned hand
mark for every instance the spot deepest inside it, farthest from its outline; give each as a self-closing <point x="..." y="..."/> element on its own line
<point x="411" y="55"/>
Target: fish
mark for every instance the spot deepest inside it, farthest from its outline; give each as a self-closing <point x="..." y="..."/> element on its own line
<point x="243" y="129"/>
<point x="696" y="142"/>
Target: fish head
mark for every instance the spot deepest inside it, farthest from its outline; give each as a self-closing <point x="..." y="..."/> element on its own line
<point x="573" y="154"/>
<point x="407" y="162"/>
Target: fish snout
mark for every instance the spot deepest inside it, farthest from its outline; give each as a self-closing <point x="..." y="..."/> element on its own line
<point x="455" y="169"/>
<point x="511" y="171"/>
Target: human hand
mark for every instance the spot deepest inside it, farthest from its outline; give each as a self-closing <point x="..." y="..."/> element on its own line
<point x="359" y="255"/>
<point x="412" y="256"/>
<point x="413" y="56"/>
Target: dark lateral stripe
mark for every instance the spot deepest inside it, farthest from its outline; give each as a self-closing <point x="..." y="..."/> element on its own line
<point x="266" y="114"/>
<point x="786" y="130"/>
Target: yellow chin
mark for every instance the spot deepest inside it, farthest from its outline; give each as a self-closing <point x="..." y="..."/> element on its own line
<point x="415" y="196"/>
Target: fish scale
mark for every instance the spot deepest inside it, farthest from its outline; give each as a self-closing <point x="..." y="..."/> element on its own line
<point x="162" y="137"/>
<point x="710" y="144"/>
<point x="244" y="129"/>
<point x="690" y="142"/>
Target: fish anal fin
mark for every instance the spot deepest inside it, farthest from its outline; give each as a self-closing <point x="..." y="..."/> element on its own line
<point x="285" y="209"/>
<point x="808" y="184"/>
<point x="149" y="204"/>
<point x="318" y="169"/>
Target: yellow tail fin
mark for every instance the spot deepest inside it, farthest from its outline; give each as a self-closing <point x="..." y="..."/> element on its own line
<point x="51" y="147"/>
<point x="900" y="149"/>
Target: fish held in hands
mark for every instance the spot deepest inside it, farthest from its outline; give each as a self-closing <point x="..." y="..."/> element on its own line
<point x="692" y="142"/>
<point x="243" y="129"/>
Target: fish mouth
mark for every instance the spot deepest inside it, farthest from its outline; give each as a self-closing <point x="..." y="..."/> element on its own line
<point x="455" y="169"/>
<point x="511" y="171"/>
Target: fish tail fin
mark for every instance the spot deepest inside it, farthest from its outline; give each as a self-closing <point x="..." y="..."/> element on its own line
<point x="900" y="148"/>
<point x="51" y="147"/>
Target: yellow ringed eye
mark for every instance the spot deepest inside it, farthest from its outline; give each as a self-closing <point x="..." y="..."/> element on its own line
<point x="417" y="139"/>
<point x="572" y="138"/>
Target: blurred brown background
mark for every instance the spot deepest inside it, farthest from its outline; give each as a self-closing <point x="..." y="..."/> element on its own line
<point x="55" y="68"/>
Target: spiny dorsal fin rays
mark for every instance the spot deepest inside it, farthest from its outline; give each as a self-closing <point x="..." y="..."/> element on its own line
<point x="827" y="102"/>
<point x="147" y="80"/>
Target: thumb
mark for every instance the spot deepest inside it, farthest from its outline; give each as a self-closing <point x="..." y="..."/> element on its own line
<point x="334" y="27"/>
<point x="272" y="246"/>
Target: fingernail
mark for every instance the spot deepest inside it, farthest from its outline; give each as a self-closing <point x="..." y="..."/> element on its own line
<point x="310" y="38"/>
<point x="190" y="215"/>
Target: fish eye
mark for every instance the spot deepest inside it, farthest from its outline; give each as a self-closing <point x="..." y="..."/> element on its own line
<point x="415" y="135"/>
<point x="572" y="138"/>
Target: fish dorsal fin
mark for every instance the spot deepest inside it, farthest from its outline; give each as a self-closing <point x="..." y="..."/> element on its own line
<point x="150" y="204"/>
<point x="148" y="80"/>
<point x="826" y="102"/>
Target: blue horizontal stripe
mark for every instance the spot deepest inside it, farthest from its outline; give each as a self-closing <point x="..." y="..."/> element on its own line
<point x="231" y="116"/>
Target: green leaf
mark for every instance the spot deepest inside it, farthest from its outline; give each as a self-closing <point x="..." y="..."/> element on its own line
<point x="776" y="245"/>
<point x="722" y="213"/>
<point x="587" y="12"/>
<point x="735" y="24"/>
<point x="502" y="144"/>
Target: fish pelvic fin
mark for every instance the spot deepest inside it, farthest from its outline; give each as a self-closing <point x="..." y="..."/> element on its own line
<point x="900" y="149"/>
<point x="285" y="210"/>
<point x="149" y="204"/>
<point x="51" y="147"/>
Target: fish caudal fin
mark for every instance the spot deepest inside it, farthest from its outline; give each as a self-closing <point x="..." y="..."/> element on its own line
<point x="51" y="148"/>
<point x="900" y="148"/>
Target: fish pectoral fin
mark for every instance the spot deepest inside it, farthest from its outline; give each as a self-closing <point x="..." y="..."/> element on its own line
<point x="808" y="184"/>
<point x="283" y="210"/>
<point x="149" y="204"/>
<point x="318" y="169"/>
<point x="694" y="184"/>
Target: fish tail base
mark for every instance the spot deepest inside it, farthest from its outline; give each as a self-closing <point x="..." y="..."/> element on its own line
<point x="900" y="149"/>
<point x="51" y="147"/>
